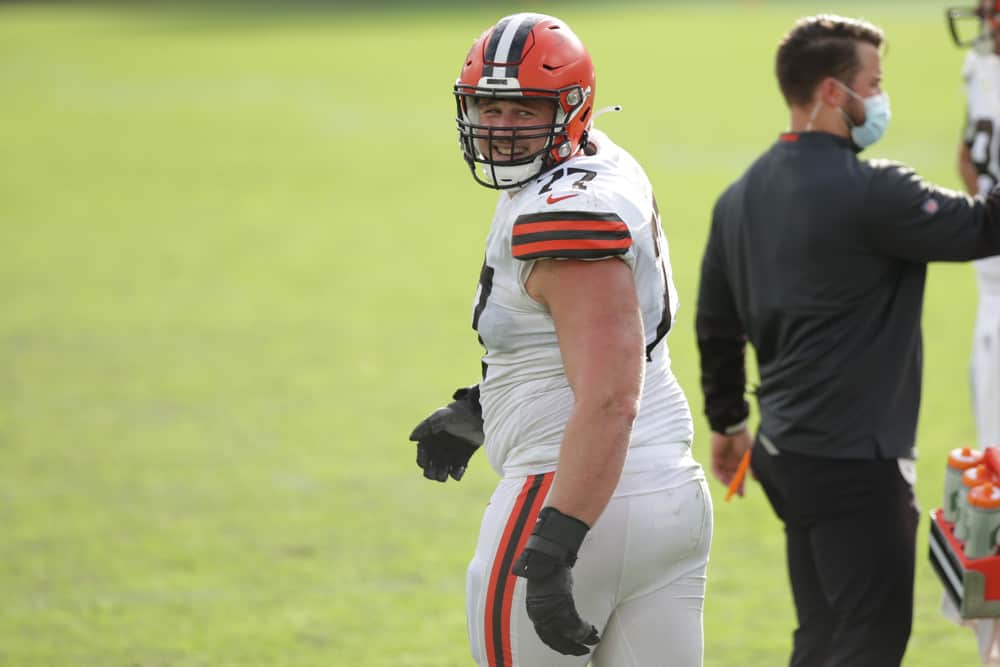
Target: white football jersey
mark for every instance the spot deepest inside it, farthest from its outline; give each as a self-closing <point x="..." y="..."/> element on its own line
<point x="596" y="207"/>
<point x="982" y="85"/>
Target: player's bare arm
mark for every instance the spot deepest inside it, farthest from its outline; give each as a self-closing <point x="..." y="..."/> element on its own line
<point x="597" y="318"/>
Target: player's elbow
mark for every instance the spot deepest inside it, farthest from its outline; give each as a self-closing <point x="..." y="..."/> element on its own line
<point x="619" y="407"/>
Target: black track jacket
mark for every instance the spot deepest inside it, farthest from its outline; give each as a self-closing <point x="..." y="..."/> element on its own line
<point x="819" y="260"/>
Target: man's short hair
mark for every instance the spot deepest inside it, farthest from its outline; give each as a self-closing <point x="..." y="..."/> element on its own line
<point x="818" y="47"/>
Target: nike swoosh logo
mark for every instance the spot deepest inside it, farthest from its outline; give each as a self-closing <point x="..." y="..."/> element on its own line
<point x="553" y="200"/>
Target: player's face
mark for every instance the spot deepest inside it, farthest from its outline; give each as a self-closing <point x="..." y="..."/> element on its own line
<point x="522" y="126"/>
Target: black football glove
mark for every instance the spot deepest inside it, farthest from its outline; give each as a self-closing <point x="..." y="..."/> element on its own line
<point x="449" y="436"/>
<point x="545" y="563"/>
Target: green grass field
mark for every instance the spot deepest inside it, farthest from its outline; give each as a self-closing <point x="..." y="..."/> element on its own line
<point x="239" y="250"/>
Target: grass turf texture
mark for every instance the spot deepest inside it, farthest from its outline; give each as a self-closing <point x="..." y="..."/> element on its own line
<point x="239" y="250"/>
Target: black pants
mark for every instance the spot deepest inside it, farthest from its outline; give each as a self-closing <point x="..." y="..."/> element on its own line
<point x="850" y="530"/>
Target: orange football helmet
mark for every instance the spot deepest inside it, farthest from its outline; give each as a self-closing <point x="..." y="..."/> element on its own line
<point x="525" y="55"/>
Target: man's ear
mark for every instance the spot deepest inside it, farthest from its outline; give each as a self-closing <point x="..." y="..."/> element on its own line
<point x="831" y="93"/>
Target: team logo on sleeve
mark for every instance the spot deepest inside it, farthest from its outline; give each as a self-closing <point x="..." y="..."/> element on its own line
<point x="570" y="234"/>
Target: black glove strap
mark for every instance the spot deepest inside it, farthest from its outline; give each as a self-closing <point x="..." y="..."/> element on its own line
<point x="470" y="396"/>
<point x="558" y="535"/>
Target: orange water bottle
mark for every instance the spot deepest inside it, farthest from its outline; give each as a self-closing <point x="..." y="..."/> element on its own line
<point x="983" y="521"/>
<point x="960" y="459"/>
<point x="971" y="478"/>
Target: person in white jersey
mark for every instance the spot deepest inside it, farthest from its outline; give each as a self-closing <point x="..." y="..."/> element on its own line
<point x="594" y="545"/>
<point x="978" y="164"/>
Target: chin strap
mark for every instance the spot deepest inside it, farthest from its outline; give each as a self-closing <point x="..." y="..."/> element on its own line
<point x="600" y="112"/>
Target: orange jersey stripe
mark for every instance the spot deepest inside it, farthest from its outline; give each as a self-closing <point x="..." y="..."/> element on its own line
<point x="559" y="245"/>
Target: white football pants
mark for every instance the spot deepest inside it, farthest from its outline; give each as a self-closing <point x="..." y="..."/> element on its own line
<point x="640" y="576"/>
<point x="986" y="368"/>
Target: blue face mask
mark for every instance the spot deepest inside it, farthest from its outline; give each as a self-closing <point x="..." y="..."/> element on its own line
<point x="877" y="115"/>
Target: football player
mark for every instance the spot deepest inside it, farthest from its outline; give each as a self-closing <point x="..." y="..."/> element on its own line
<point x="978" y="164"/>
<point x="595" y="542"/>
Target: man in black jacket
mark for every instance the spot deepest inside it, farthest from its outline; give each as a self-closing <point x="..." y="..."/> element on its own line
<point x="819" y="260"/>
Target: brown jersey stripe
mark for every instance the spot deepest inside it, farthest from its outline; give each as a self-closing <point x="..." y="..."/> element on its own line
<point x="551" y="216"/>
<point x="572" y="254"/>
<point x="570" y="235"/>
<point x="500" y="593"/>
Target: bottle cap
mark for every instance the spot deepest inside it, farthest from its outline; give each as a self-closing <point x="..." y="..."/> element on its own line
<point x="963" y="458"/>
<point x="977" y="475"/>
<point x="985" y="496"/>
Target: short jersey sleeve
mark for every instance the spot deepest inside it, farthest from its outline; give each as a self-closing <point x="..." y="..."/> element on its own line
<point x="569" y="235"/>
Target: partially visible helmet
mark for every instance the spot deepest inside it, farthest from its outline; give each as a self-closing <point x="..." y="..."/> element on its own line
<point x="525" y="55"/>
<point x="974" y="26"/>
